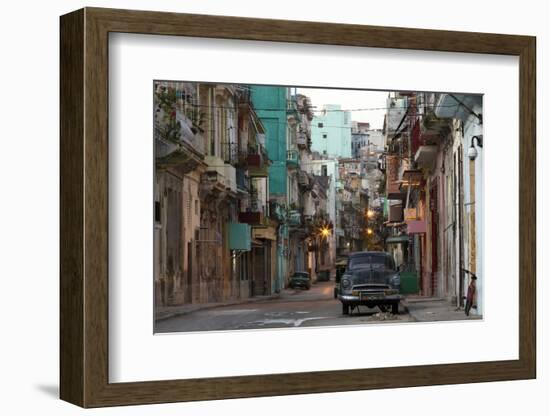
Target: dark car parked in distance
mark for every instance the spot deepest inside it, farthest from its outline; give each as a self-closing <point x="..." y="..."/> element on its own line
<point x="370" y="279"/>
<point x="300" y="279"/>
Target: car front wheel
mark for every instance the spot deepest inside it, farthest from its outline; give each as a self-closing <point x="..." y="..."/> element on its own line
<point x="345" y="309"/>
<point x="395" y="308"/>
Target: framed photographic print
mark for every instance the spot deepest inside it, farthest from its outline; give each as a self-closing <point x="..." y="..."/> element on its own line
<point x="254" y="207"/>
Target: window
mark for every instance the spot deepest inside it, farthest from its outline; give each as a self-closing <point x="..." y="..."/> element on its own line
<point x="320" y="125"/>
<point x="372" y="261"/>
<point x="324" y="170"/>
<point x="324" y="135"/>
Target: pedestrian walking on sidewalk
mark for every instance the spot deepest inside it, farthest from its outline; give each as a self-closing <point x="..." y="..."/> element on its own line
<point x="470" y="296"/>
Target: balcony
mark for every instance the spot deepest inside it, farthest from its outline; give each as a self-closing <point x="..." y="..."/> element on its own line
<point x="292" y="158"/>
<point x="301" y="140"/>
<point x="393" y="191"/>
<point x="254" y="160"/>
<point x="294" y="218"/>
<point x="219" y="175"/>
<point x="411" y="178"/>
<point x="230" y="153"/>
<point x="257" y="166"/>
<point x="346" y="205"/>
<point x="434" y="128"/>
<point x="182" y="156"/>
<point x="395" y="213"/>
<point x="425" y="156"/>
<point x="242" y="157"/>
<point x="277" y="211"/>
<point x="252" y="218"/>
<point x="243" y="95"/>
<point x="304" y="180"/>
<point x="242" y="180"/>
<point x="292" y="108"/>
<point x="392" y="177"/>
<point x="212" y="185"/>
<point x="177" y="148"/>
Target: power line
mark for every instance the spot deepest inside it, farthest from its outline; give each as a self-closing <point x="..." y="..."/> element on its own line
<point x="211" y="119"/>
<point x="281" y="109"/>
<point x="313" y="108"/>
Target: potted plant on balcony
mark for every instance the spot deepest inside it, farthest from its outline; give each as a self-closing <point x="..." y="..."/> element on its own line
<point x="169" y="127"/>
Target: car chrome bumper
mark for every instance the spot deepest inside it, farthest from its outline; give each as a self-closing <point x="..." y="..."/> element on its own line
<point x="358" y="299"/>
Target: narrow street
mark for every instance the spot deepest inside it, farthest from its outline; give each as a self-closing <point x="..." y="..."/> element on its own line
<point x="294" y="308"/>
<point x="257" y="186"/>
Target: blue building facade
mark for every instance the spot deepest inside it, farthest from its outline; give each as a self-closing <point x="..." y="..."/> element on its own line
<point x="331" y="132"/>
<point x="270" y="104"/>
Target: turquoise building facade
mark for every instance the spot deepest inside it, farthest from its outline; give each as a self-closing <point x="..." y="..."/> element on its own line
<point x="270" y="104"/>
<point x="331" y="132"/>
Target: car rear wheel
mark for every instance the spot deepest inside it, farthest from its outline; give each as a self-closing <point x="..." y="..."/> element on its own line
<point x="345" y="309"/>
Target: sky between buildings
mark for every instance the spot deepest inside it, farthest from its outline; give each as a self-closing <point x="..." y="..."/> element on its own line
<point x="367" y="106"/>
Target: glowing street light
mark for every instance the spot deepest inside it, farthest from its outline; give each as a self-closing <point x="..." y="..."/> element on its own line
<point x="369" y="231"/>
<point x="370" y="213"/>
<point x="325" y="232"/>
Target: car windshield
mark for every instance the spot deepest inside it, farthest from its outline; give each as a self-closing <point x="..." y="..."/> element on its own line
<point x="301" y="275"/>
<point x="371" y="260"/>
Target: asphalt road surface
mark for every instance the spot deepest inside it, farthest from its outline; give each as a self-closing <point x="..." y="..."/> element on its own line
<point x="293" y="309"/>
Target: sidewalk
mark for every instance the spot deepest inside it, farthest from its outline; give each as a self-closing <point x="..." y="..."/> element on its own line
<point x="167" y="312"/>
<point x="435" y="309"/>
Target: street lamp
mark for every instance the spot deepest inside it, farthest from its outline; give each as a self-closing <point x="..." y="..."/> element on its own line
<point x="472" y="151"/>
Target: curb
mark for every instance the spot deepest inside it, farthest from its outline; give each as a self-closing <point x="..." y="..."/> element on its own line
<point x="219" y="305"/>
<point x="415" y="318"/>
<point x="408" y="311"/>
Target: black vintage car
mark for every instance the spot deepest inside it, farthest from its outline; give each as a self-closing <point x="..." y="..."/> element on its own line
<point x="370" y="279"/>
<point x="341" y="263"/>
<point x="300" y="279"/>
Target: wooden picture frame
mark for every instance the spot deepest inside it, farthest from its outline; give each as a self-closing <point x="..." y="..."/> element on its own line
<point x="84" y="207"/>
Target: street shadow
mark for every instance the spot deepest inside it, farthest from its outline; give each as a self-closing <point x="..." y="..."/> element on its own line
<point x="364" y="311"/>
<point x="49" y="390"/>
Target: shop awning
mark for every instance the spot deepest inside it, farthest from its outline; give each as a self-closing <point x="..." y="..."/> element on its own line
<point x="397" y="239"/>
<point x="265" y="233"/>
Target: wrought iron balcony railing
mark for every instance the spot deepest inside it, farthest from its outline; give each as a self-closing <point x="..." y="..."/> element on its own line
<point x="292" y="158"/>
<point x="230" y="153"/>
